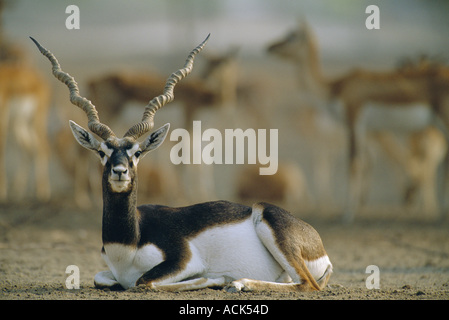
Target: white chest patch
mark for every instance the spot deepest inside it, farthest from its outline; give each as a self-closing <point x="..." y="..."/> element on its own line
<point x="127" y="263"/>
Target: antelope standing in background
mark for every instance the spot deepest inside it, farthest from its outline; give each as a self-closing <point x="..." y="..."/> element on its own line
<point x="287" y="187"/>
<point x="112" y="92"/>
<point x="193" y="247"/>
<point x="407" y="102"/>
<point x="24" y="103"/>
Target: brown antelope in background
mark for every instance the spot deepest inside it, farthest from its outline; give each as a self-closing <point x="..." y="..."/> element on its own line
<point x="216" y="92"/>
<point x="213" y="90"/>
<point x="405" y="102"/>
<point x="115" y="90"/>
<point x="323" y="134"/>
<point x="288" y="187"/>
<point x="197" y="246"/>
<point x="24" y="104"/>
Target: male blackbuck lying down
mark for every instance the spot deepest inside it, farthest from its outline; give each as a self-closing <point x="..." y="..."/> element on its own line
<point x="204" y="245"/>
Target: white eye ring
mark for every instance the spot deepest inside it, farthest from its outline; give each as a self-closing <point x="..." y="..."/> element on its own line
<point x="133" y="151"/>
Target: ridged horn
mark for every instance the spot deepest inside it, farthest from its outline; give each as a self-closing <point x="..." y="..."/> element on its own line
<point x="155" y="104"/>
<point x="94" y="123"/>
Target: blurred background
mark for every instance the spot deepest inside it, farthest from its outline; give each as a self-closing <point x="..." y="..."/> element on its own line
<point x="124" y="51"/>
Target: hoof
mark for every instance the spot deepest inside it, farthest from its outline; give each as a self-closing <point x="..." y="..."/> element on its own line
<point x="236" y="286"/>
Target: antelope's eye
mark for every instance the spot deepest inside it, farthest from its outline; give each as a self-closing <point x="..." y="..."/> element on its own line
<point x="137" y="154"/>
<point x="101" y="153"/>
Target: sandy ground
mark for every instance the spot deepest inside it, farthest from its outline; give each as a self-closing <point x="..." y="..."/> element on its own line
<point x="38" y="243"/>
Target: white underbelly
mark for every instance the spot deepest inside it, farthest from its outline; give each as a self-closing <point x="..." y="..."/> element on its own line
<point x="236" y="251"/>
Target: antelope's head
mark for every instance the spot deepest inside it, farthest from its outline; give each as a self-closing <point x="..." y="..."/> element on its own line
<point x="296" y="46"/>
<point x="120" y="156"/>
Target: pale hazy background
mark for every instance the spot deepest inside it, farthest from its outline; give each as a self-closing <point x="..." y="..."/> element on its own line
<point x="157" y="35"/>
<point x="122" y="28"/>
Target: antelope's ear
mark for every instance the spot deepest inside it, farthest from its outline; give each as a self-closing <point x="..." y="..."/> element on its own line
<point x="84" y="138"/>
<point x="154" y="140"/>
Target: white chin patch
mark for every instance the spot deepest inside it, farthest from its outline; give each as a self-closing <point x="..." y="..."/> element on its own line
<point x="119" y="186"/>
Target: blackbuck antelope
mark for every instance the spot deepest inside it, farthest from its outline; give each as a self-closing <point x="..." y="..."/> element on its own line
<point x="202" y="245"/>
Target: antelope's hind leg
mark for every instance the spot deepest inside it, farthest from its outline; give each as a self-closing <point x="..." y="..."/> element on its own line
<point x="295" y="245"/>
<point x="193" y="284"/>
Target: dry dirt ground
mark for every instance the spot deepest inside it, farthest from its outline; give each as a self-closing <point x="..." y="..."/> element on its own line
<point x="38" y="242"/>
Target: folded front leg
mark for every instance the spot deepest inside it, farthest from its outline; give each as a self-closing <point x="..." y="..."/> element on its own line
<point x="105" y="279"/>
<point x="174" y="271"/>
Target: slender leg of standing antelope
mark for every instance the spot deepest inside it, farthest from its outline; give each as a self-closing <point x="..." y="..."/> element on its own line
<point x="354" y="165"/>
<point x="4" y="121"/>
<point x="42" y="149"/>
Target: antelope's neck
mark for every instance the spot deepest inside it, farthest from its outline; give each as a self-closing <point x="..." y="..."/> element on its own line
<point x="311" y="77"/>
<point x="120" y="217"/>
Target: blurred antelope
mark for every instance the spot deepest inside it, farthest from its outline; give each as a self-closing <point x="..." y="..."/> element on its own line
<point x="24" y="103"/>
<point x="407" y="101"/>
<point x="112" y="92"/>
<point x="215" y="89"/>
<point x="193" y="247"/>
<point x="287" y="187"/>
